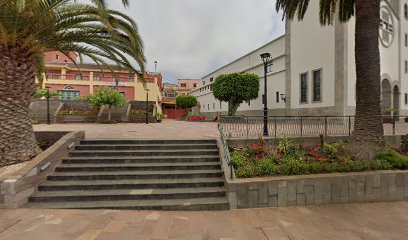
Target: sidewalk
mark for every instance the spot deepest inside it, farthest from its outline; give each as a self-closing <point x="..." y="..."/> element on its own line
<point x="340" y="222"/>
<point x="168" y="129"/>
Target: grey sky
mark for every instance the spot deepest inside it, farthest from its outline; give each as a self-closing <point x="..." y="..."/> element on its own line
<point x="190" y="38"/>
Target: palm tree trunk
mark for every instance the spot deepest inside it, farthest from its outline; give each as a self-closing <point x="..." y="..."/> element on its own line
<point x="17" y="86"/>
<point x="368" y="134"/>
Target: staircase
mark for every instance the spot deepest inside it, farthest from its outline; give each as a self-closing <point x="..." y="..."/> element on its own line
<point x="137" y="174"/>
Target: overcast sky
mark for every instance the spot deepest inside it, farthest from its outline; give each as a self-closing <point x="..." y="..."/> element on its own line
<point x="191" y="38"/>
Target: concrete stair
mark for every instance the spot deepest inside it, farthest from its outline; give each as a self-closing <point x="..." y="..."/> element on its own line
<point x="137" y="174"/>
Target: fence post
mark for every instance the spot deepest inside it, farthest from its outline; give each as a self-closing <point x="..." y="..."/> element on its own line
<point x="393" y="125"/>
<point x="275" y="128"/>
<point x="349" y="125"/>
<point x="301" y="126"/>
<point x="325" y="126"/>
<point x="247" y="130"/>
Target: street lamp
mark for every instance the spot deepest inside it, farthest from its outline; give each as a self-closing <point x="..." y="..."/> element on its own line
<point x="266" y="59"/>
<point x="48" y="106"/>
<point x="147" y="106"/>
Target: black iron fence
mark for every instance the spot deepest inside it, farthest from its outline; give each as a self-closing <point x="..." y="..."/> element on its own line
<point x="304" y="126"/>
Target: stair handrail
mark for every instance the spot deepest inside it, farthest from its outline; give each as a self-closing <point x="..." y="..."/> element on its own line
<point x="226" y="153"/>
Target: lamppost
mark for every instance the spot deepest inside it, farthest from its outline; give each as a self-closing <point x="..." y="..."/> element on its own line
<point x="48" y="106"/>
<point x="155" y="67"/>
<point x="266" y="59"/>
<point x="147" y="106"/>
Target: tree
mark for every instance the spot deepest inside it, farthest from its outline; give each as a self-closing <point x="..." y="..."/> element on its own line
<point x="186" y="101"/>
<point x="106" y="96"/>
<point x="368" y="134"/>
<point x="235" y="89"/>
<point x="28" y="29"/>
<point x="43" y="92"/>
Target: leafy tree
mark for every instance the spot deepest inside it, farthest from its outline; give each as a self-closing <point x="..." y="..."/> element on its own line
<point x="186" y="101"/>
<point x="235" y="89"/>
<point x="29" y="28"/>
<point x="106" y="96"/>
<point x="368" y="134"/>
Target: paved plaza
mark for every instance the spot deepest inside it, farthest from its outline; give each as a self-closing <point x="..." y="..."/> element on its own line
<point x="374" y="221"/>
<point x="168" y="129"/>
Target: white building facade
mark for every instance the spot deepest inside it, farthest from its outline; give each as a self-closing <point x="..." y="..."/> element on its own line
<point x="313" y="68"/>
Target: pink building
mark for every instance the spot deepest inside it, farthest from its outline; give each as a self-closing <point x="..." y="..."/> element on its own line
<point x="186" y="85"/>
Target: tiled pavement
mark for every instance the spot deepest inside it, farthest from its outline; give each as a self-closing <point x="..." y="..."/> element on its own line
<point x="349" y="222"/>
<point x="168" y="129"/>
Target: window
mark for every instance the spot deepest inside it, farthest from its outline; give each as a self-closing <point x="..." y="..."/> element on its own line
<point x="406" y="11"/>
<point x="406" y="40"/>
<point x="211" y="79"/>
<point x="97" y="77"/>
<point x="183" y="85"/>
<point x="56" y="56"/>
<point x="317" y="83"/>
<point x="406" y="98"/>
<point x="269" y="68"/>
<point x="68" y="93"/>
<point x="203" y="82"/>
<point x="195" y="85"/>
<point x="277" y="97"/>
<point x="406" y="66"/>
<point x="220" y="105"/>
<point x="249" y="103"/>
<point x="208" y="106"/>
<point x="303" y="88"/>
<point x="213" y="105"/>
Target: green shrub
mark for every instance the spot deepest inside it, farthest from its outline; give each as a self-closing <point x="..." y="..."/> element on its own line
<point x="395" y="159"/>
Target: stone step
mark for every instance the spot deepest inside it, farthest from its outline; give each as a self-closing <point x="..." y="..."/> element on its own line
<point x="180" y="174"/>
<point x="137" y="167"/>
<point x="127" y="194"/>
<point x="146" y="146"/>
<point x="190" y="152"/>
<point x="143" y="159"/>
<point x="148" y="141"/>
<point x="131" y="184"/>
<point x="197" y="204"/>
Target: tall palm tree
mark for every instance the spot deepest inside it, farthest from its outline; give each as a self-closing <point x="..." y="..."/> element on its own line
<point x="368" y="134"/>
<point x="28" y="29"/>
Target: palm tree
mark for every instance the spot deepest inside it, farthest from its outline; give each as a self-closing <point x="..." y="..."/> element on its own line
<point x="28" y="29"/>
<point x="368" y="134"/>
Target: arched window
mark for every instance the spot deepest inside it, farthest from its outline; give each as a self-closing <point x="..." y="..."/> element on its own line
<point x="68" y="93"/>
<point x="68" y="88"/>
<point x="406" y="11"/>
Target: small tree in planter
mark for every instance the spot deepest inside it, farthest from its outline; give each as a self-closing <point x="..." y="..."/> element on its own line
<point x="106" y="96"/>
<point x="235" y="89"/>
<point x="186" y="102"/>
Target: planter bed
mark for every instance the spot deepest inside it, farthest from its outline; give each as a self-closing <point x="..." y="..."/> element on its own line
<point x="327" y="173"/>
<point x="77" y="118"/>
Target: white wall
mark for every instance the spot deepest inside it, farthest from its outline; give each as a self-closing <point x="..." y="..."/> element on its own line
<point x="312" y="47"/>
<point x="403" y="56"/>
<point x="250" y="63"/>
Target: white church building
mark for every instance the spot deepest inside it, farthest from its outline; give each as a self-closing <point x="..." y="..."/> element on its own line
<point x="313" y="69"/>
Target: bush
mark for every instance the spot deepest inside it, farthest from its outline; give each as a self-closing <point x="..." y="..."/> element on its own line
<point x="186" y="101"/>
<point x="289" y="158"/>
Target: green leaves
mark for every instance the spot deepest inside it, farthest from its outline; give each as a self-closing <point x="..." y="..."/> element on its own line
<point x="328" y="9"/>
<point x="88" y="29"/>
<point x="106" y="96"/>
<point x="186" y="101"/>
<point x="235" y="89"/>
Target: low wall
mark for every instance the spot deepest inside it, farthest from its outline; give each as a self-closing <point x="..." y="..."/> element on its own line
<point x="15" y="189"/>
<point x="308" y="190"/>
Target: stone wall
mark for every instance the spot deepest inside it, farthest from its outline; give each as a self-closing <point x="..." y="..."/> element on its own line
<point x="309" y="190"/>
<point x="15" y="189"/>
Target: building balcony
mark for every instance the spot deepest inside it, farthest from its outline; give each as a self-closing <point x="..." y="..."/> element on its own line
<point x="66" y="77"/>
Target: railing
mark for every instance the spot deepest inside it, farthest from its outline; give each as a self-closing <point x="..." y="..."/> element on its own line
<point x="77" y="77"/>
<point x="303" y="126"/>
<point x="226" y="154"/>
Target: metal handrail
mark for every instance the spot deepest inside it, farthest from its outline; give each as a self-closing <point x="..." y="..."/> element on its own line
<point x="226" y="155"/>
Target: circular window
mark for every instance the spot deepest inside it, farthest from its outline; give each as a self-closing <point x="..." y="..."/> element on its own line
<point x="387" y="32"/>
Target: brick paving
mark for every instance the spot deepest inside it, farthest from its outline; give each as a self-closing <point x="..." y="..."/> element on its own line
<point x="355" y="221"/>
<point x="168" y="129"/>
